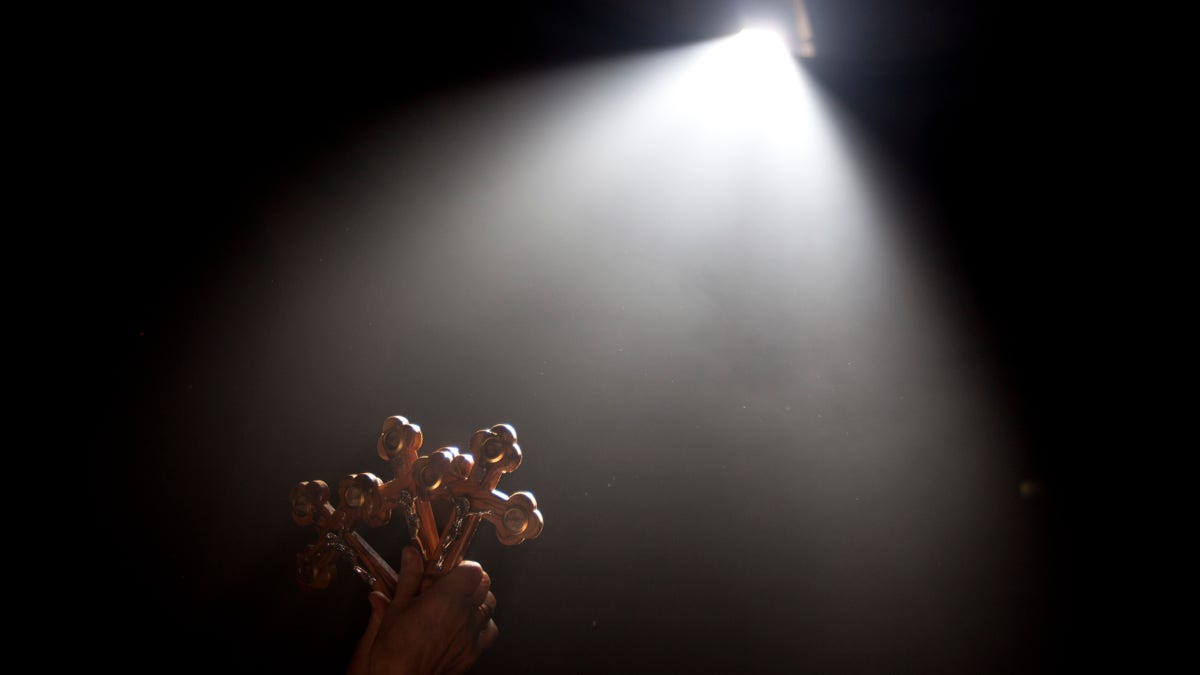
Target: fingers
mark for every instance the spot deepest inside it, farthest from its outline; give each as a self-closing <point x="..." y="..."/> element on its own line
<point x="487" y="636"/>
<point x="358" y="663"/>
<point x="469" y="587"/>
<point x="408" y="579"/>
<point x="484" y="612"/>
<point x="463" y="582"/>
<point x="481" y="591"/>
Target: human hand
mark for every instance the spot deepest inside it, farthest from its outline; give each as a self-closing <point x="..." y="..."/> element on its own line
<point x="440" y="631"/>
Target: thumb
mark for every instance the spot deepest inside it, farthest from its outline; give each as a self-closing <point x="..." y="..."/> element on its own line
<point x="362" y="654"/>
<point x="408" y="579"/>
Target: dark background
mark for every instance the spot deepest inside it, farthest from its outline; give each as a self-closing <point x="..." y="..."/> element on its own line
<point x="218" y="124"/>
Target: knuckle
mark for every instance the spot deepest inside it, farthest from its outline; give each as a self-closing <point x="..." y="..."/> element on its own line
<point x="471" y="572"/>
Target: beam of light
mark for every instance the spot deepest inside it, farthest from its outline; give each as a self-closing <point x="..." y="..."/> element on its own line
<point x="759" y="45"/>
<point x="685" y="274"/>
<point x="747" y="75"/>
<point x="687" y="179"/>
<point x="689" y="245"/>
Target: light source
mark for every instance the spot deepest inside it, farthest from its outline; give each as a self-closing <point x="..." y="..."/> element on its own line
<point x="787" y="18"/>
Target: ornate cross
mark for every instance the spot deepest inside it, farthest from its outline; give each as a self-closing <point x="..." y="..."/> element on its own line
<point x="467" y="481"/>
